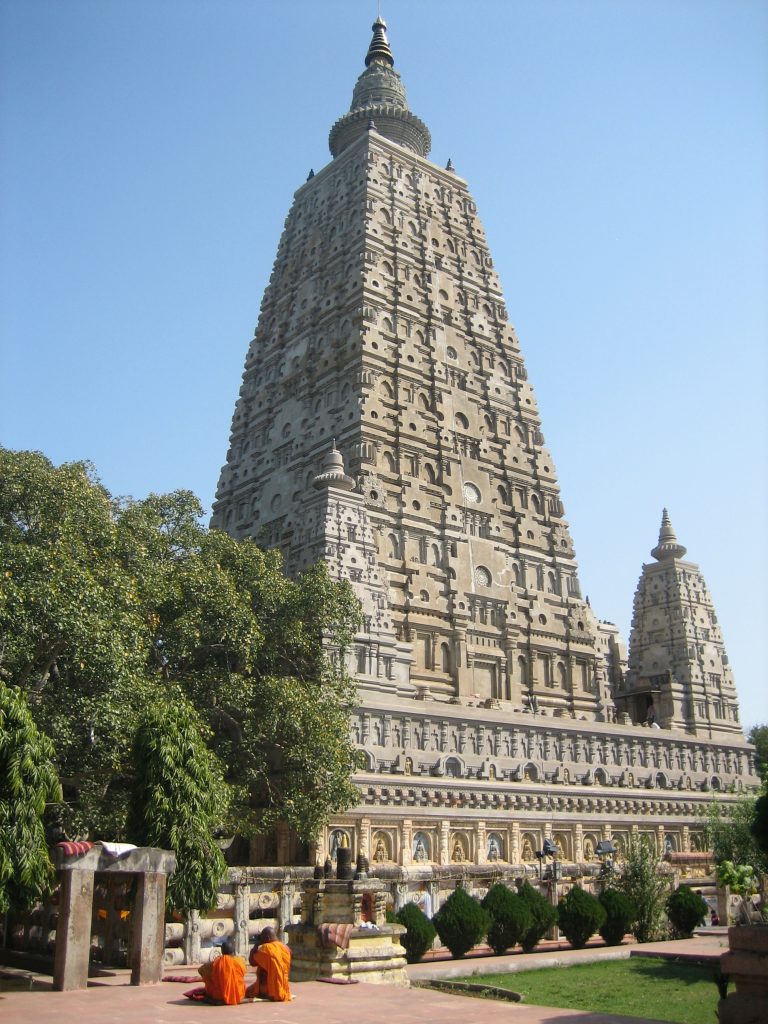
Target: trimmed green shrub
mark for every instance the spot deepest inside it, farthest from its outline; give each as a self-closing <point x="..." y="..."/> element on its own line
<point x="420" y="934"/>
<point x="510" y="917"/>
<point x="620" y="914"/>
<point x="579" y="916"/>
<point x="461" y="922"/>
<point x="543" y="916"/>
<point x="686" y="910"/>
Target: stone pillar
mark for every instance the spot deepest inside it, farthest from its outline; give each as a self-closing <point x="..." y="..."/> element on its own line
<point x="192" y="938"/>
<point x="364" y="837"/>
<point x="148" y="941"/>
<point x="481" y="852"/>
<point x="514" y="843"/>
<point x="401" y="895"/>
<point x="444" y="855"/>
<point x="73" y="931"/>
<point x="746" y="964"/>
<point x="406" y="852"/>
<point x="686" y="844"/>
<point x="241" y="914"/>
<point x="285" y="908"/>
<point x="578" y="843"/>
<point x="434" y="892"/>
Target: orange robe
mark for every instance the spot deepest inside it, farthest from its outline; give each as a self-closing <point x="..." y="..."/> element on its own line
<point x="272" y="961"/>
<point x="224" y="979"/>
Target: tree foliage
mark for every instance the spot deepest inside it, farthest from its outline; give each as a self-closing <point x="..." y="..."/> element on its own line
<point x="620" y="915"/>
<point x="511" y="917"/>
<point x="758" y="735"/>
<point x="106" y="605"/>
<point x="461" y="922"/>
<point x="28" y="782"/>
<point x="728" y="832"/>
<point x="579" y="915"/>
<point x="420" y="932"/>
<point x="178" y="798"/>
<point x="543" y="916"/>
<point x="686" y="910"/>
<point x="759" y="826"/>
<point x="645" y="887"/>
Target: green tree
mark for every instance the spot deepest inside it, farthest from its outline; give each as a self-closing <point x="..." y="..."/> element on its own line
<point x="511" y="917"/>
<point x="645" y="887"/>
<point x="461" y="922"/>
<point x="105" y="604"/>
<point x="579" y="916"/>
<point x="759" y="826"/>
<point x="758" y="735"/>
<point x="420" y="932"/>
<point x="543" y="916"/>
<point x="178" y="799"/>
<point x="28" y="782"/>
<point x="686" y="910"/>
<point x="620" y="914"/>
<point x="728" y="832"/>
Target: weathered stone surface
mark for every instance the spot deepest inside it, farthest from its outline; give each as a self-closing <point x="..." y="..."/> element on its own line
<point x="387" y="426"/>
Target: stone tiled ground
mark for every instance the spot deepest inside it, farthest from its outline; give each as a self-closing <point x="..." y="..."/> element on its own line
<point x="112" y="1001"/>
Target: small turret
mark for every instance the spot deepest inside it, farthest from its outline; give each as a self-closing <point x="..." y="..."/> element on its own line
<point x="667" y="547"/>
<point x="379" y="96"/>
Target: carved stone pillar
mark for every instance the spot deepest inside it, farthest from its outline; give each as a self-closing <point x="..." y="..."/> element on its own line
<point x="406" y="840"/>
<point x="514" y="843"/>
<point x="401" y="895"/>
<point x="578" y="843"/>
<point x="434" y="892"/>
<point x="444" y="855"/>
<point x="285" y="908"/>
<point x="241" y="917"/>
<point x="364" y="836"/>
<point x="192" y="938"/>
<point x="480" y="843"/>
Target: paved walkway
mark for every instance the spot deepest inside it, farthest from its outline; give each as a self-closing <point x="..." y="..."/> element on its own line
<point x="112" y="1001"/>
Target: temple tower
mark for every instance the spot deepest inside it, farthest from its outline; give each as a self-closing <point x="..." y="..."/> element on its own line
<point x="678" y="674"/>
<point x="383" y="327"/>
<point x="386" y="425"/>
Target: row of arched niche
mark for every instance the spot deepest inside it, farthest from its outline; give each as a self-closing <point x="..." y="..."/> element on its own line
<point x="424" y="846"/>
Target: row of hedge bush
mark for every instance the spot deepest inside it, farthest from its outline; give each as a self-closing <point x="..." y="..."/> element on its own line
<point x="507" y="918"/>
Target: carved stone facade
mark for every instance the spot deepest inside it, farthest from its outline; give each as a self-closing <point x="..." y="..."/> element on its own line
<point x="386" y="424"/>
<point x="679" y="676"/>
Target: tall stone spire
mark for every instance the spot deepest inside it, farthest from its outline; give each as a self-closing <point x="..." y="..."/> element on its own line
<point x="667" y="547"/>
<point x="384" y="326"/>
<point x="379" y="49"/>
<point x="379" y="96"/>
<point x="386" y="426"/>
<point x="678" y="675"/>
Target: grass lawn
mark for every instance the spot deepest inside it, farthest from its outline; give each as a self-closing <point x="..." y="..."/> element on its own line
<point x="656" y="989"/>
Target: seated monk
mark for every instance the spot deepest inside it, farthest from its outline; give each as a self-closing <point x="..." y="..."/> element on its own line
<point x="272" y="960"/>
<point x="224" y="977"/>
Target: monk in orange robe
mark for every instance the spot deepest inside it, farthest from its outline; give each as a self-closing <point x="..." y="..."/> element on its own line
<point x="272" y="960"/>
<point x="224" y="977"/>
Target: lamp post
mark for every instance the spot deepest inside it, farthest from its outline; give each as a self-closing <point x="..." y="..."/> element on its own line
<point x="605" y="852"/>
<point x="551" y="850"/>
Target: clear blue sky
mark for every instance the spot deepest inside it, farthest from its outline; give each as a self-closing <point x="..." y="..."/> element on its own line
<point x="619" y="156"/>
